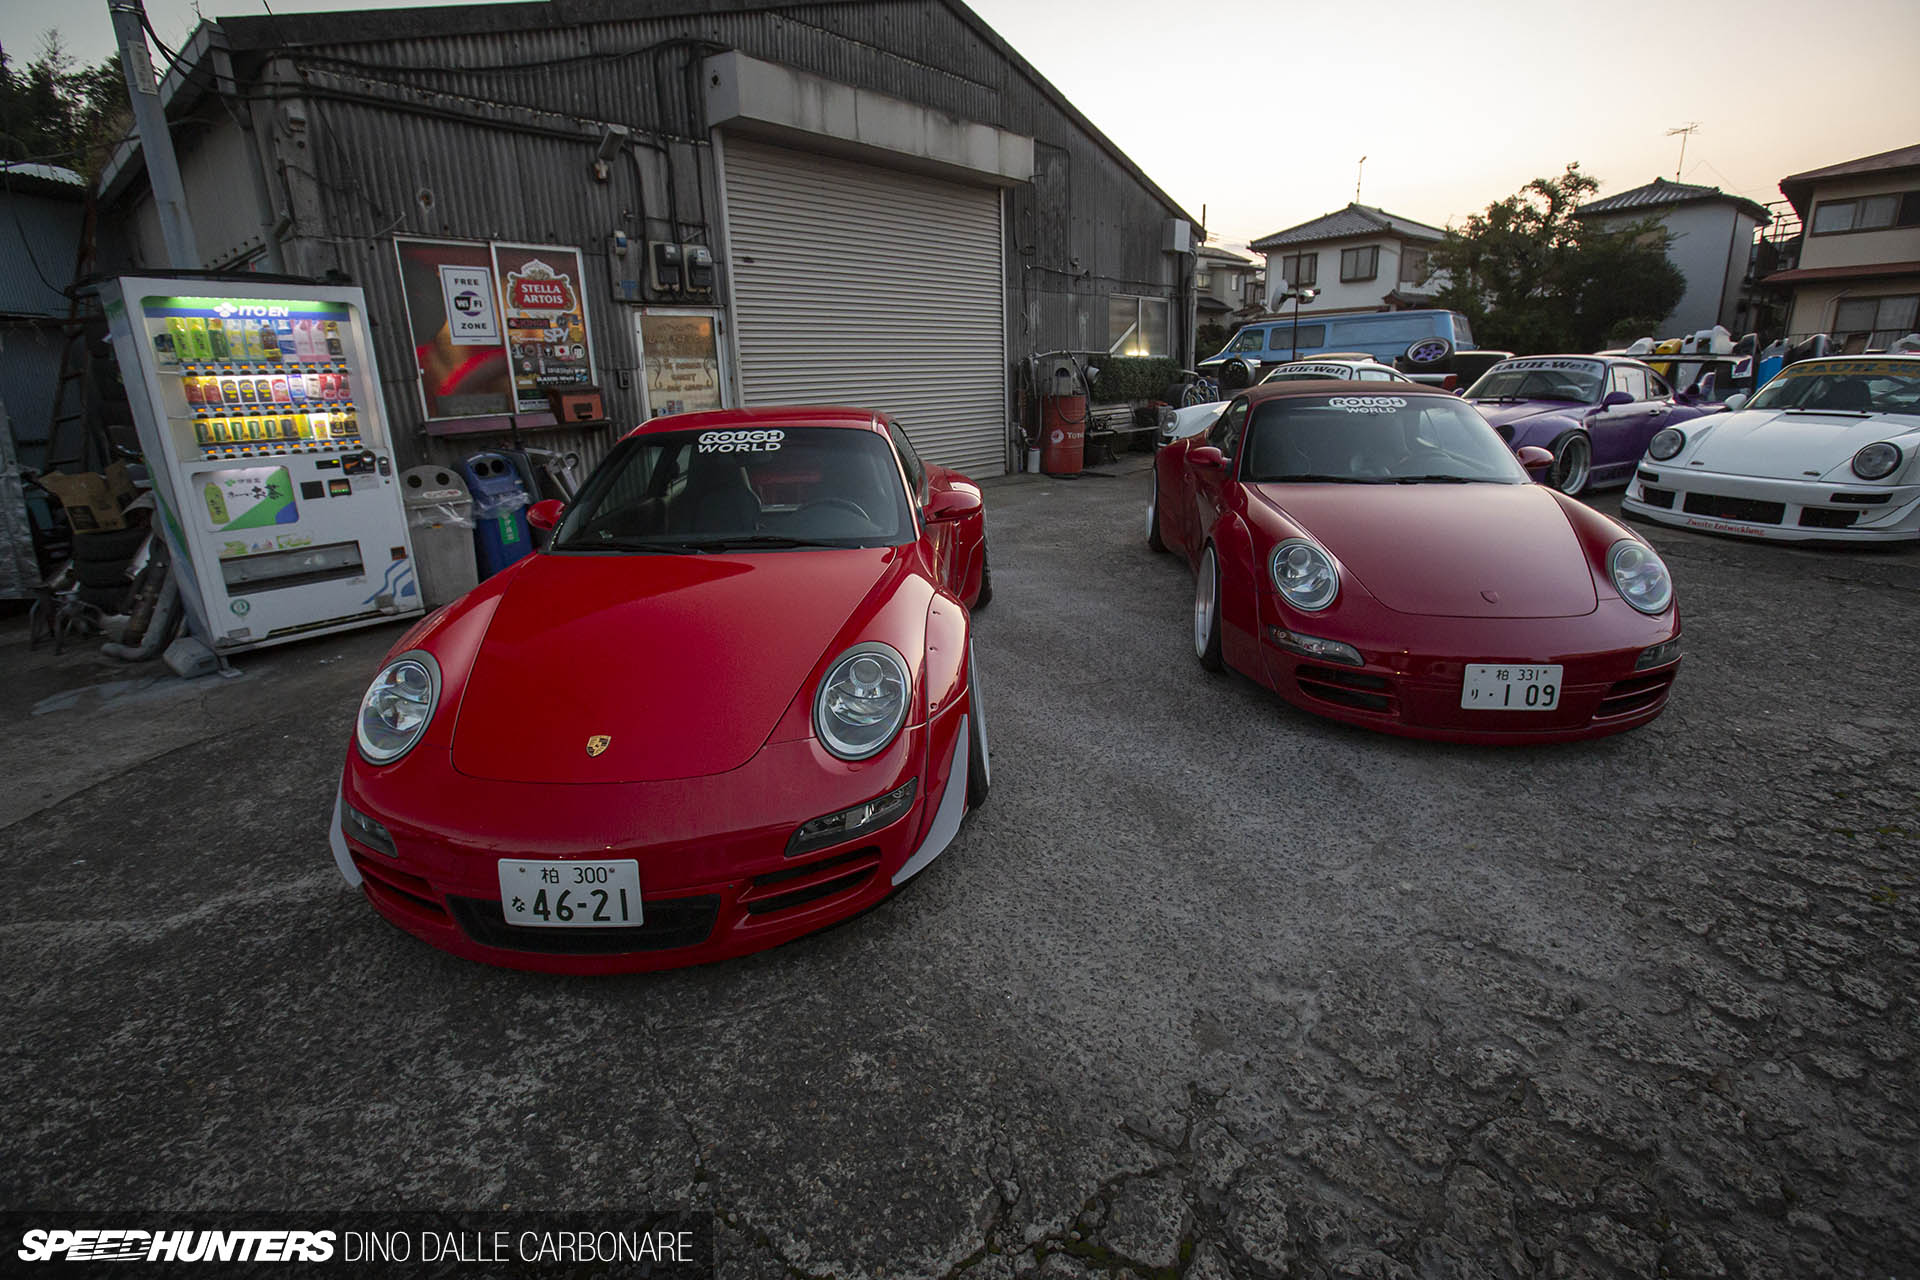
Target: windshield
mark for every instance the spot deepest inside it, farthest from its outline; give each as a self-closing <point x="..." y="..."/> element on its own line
<point x="1850" y="386"/>
<point x="1577" y="381"/>
<point x="746" y="489"/>
<point x="1375" y="439"/>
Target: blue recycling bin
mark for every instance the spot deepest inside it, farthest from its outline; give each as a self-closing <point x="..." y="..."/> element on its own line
<point x="500" y="500"/>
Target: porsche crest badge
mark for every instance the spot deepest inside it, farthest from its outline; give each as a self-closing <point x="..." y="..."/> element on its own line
<point x="598" y="742"/>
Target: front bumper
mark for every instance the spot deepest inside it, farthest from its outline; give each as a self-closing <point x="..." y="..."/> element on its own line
<point x="1780" y="510"/>
<point x="1414" y="669"/>
<point x="714" y="875"/>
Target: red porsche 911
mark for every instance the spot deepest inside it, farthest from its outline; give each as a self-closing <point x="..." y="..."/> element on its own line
<point x="1378" y="556"/>
<point x="733" y="701"/>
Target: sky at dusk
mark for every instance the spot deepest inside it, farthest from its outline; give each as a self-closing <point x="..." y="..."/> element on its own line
<point x="1261" y="109"/>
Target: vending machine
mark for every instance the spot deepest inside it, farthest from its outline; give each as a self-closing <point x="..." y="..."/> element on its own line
<point x="259" y="411"/>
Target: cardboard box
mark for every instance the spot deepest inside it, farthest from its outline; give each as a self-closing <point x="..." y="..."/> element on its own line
<point x="93" y="501"/>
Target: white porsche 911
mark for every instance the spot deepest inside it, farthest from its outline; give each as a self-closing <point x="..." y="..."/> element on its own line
<point x="1828" y="451"/>
<point x="1178" y="424"/>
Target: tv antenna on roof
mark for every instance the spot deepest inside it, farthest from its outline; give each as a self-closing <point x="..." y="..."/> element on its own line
<point x="1357" y="174"/>
<point x="1685" y="131"/>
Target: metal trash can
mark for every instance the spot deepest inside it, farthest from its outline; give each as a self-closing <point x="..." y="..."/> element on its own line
<point x="440" y="522"/>
<point x="500" y="501"/>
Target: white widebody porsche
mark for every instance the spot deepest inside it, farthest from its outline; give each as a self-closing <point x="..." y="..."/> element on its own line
<point x="1828" y="451"/>
<point x="1178" y="424"/>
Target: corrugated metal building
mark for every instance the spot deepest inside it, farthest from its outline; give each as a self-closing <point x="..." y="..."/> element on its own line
<point x="898" y="208"/>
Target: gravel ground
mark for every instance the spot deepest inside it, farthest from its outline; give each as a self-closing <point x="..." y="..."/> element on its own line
<point x="1209" y="987"/>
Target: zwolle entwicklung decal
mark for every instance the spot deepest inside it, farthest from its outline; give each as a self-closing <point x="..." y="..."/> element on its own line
<point x="764" y="441"/>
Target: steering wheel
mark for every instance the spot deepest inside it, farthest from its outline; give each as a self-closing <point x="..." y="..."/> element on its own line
<point x="845" y="504"/>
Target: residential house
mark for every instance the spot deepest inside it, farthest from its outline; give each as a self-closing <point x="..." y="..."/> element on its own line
<point x="1225" y="283"/>
<point x="1858" y="278"/>
<point x="1359" y="258"/>
<point x="1711" y="238"/>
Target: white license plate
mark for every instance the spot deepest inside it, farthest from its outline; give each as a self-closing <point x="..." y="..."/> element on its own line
<point x="570" y="895"/>
<point x="1494" y="686"/>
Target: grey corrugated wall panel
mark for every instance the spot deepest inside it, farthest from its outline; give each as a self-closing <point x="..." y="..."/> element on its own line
<point x="853" y="285"/>
<point x="52" y="234"/>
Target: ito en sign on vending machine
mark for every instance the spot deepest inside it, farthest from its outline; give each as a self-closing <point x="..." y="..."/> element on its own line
<point x="259" y="411"/>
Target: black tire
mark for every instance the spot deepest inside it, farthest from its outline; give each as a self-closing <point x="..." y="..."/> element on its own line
<point x="1572" y="465"/>
<point x="115" y="546"/>
<point x="985" y="597"/>
<point x="1175" y="393"/>
<point x="1206" y="610"/>
<point x="107" y="575"/>
<point x="1235" y="376"/>
<point x="979" y="759"/>
<point x="1154" y="541"/>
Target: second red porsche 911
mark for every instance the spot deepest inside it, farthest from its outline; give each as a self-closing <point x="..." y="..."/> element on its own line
<point x="733" y="701"/>
<point x="1380" y="557"/>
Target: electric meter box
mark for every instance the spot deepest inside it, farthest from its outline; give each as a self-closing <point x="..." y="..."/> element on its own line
<point x="697" y="261"/>
<point x="665" y="270"/>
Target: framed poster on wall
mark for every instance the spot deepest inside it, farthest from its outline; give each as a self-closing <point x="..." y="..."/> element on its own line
<point x="545" y="309"/>
<point x="681" y="350"/>
<point x="453" y="320"/>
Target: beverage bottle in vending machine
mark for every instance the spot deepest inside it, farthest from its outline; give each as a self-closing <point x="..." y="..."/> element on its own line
<point x="182" y="340"/>
<point x="334" y="347"/>
<point x="280" y="393"/>
<point x="297" y="387"/>
<point x="229" y="390"/>
<point x="163" y="351"/>
<point x="283" y="343"/>
<point x="346" y="393"/>
<point x="269" y="341"/>
<point x="196" y="395"/>
<point x="245" y="386"/>
<point x="217" y="338"/>
<point x="313" y="386"/>
<point x="330" y="387"/>
<point x="309" y="340"/>
<point x="246" y="343"/>
<point x="198" y="339"/>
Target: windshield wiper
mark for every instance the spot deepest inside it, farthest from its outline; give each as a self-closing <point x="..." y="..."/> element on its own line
<point x="752" y="540"/>
<point x="1320" y="479"/>
<point x="1437" y="480"/>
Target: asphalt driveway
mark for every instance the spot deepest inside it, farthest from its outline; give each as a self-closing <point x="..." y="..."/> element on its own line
<point x="1208" y="987"/>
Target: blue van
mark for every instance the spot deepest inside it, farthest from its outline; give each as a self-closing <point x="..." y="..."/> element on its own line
<point x="1404" y="339"/>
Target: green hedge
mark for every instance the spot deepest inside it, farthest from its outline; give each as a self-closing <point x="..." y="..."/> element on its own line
<point x="1133" y="378"/>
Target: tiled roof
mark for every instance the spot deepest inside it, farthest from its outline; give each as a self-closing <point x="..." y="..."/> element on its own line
<point x="1354" y="220"/>
<point x="1798" y="188"/>
<point x="1865" y="271"/>
<point x="1661" y="194"/>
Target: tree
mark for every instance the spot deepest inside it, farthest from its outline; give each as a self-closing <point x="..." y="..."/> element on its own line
<point x="53" y="113"/>
<point x="1531" y="277"/>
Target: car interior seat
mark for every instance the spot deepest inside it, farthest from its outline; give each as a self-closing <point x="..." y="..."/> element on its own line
<point x="1848" y="395"/>
<point x="723" y="502"/>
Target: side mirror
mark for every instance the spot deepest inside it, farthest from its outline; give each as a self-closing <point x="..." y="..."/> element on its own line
<point x="1533" y="459"/>
<point x="545" y="514"/>
<point x="1613" y="398"/>
<point x="952" y="503"/>
<point x="1209" y="457"/>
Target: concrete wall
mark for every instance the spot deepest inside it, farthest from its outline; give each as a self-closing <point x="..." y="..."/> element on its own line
<point x="1711" y="241"/>
<point x="1860" y="248"/>
<point x="1359" y="295"/>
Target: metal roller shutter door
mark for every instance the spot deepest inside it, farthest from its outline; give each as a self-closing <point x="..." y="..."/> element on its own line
<point x="859" y="286"/>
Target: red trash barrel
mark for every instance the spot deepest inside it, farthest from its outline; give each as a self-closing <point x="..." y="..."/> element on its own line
<point x="1063" y="434"/>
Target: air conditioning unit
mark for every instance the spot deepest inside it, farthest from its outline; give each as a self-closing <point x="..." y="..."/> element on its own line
<point x="1179" y="236"/>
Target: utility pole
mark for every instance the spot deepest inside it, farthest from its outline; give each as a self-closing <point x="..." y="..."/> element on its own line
<point x="150" y="126"/>
<point x="1685" y="131"/>
<point x="1358" y="174"/>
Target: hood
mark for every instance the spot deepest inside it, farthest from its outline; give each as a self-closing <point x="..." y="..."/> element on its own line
<point x="1448" y="550"/>
<point x="1787" y="446"/>
<point x="1501" y="412"/>
<point x="685" y="661"/>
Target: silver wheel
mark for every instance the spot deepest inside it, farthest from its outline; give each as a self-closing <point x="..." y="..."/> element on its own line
<point x="1572" y="464"/>
<point x="1205" y="594"/>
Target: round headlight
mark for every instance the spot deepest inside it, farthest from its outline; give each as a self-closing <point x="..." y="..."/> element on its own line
<point x="1304" y="575"/>
<point x="1665" y="444"/>
<point x="863" y="701"/>
<point x="397" y="707"/>
<point x="1876" y="461"/>
<point x="1640" y="576"/>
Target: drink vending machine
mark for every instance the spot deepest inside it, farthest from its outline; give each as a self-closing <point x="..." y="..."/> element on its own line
<point x="259" y="411"/>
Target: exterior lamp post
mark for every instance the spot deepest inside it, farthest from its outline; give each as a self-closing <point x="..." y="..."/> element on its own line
<point x="1297" y="295"/>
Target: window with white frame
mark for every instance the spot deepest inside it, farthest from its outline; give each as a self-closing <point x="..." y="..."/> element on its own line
<point x="1867" y="213"/>
<point x="1414" y="266"/>
<point x="1300" y="269"/>
<point x="1138" y="326"/>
